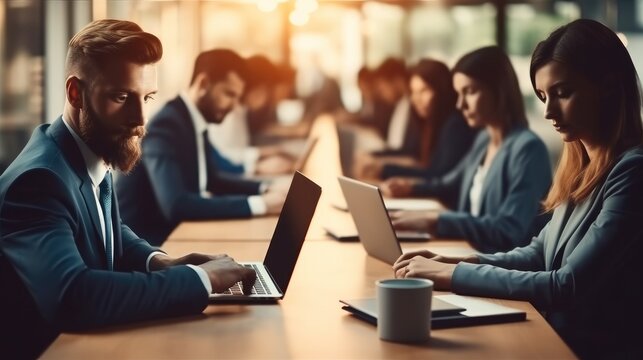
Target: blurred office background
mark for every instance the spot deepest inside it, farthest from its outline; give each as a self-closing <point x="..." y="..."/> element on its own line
<point x="319" y="38"/>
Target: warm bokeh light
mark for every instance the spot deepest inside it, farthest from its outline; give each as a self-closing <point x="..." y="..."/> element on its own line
<point x="298" y="17"/>
<point x="267" y="5"/>
<point x="307" y="6"/>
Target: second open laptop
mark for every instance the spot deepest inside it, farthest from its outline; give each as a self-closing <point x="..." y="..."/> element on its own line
<point x="372" y="221"/>
<point x="273" y="275"/>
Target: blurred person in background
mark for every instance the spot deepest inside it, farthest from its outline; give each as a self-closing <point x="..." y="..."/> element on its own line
<point x="178" y="178"/>
<point x="232" y="137"/>
<point x="436" y="137"/>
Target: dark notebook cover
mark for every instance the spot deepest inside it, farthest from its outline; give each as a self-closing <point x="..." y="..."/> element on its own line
<point x="480" y="312"/>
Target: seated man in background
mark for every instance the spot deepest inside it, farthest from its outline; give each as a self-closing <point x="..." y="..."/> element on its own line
<point x="232" y="137"/>
<point x="178" y="178"/>
<point x="67" y="261"/>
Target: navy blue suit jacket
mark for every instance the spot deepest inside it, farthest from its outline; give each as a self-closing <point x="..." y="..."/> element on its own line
<point x="53" y="273"/>
<point x="163" y="189"/>
<point x="517" y="180"/>
<point x="583" y="270"/>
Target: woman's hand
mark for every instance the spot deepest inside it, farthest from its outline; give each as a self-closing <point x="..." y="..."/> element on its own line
<point x="421" y="267"/>
<point x="424" y="221"/>
<point x="398" y="187"/>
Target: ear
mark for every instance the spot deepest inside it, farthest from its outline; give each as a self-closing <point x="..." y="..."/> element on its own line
<point x="202" y="83"/>
<point x="73" y="92"/>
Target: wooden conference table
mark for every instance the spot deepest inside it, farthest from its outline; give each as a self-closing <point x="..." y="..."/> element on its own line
<point x="309" y="321"/>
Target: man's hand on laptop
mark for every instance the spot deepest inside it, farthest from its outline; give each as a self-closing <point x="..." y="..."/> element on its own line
<point x="225" y="272"/>
<point x="275" y="165"/>
<point x="162" y="261"/>
<point x="281" y="184"/>
<point x="274" y="201"/>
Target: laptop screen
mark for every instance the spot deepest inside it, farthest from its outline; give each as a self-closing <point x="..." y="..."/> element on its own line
<point x="291" y="229"/>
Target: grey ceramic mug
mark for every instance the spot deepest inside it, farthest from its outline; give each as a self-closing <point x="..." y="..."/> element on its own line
<point x="404" y="309"/>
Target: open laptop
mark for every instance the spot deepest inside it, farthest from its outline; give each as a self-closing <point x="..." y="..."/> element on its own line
<point x="300" y="162"/>
<point x="372" y="221"/>
<point x="305" y="154"/>
<point x="273" y="275"/>
<point x="347" y="141"/>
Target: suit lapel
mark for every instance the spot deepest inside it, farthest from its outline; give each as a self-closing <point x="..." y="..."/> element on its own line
<point x="189" y="146"/>
<point x="579" y="213"/>
<point x="493" y="173"/>
<point x="68" y="146"/>
<point x="556" y="226"/>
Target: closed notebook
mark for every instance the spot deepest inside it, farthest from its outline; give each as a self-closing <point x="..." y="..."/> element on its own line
<point x="444" y="313"/>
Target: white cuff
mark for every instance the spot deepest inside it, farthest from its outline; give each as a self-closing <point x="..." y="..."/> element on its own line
<point x="257" y="205"/>
<point x="205" y="279"/>
<point x="149" y="258"/>
<point x="250" y="158"/>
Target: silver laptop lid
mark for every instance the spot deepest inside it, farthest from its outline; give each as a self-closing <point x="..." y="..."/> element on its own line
<point x="371" y="219"/>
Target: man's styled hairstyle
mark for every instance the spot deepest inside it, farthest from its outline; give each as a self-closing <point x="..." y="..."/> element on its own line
<point x="392" y="68"/>
<point x="218" y="63"/>
<point x="492" y="68"/>
<point x="592" y="50"/>
<point x="103" y="41"/>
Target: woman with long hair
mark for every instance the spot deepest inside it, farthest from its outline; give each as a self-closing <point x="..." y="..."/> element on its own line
<point x="582" y="270"/>
<point x="498" y="186"/>
<point x="437" y="134"/>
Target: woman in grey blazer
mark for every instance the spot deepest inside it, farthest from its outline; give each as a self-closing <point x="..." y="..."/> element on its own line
<point x="582" y="270"/>
<point x="497" y="188"/>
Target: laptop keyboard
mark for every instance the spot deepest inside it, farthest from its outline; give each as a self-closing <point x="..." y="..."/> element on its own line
<point x="259" y="288"/>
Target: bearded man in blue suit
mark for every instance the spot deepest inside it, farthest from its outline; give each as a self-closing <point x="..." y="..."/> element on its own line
<point x="67" y="262"/>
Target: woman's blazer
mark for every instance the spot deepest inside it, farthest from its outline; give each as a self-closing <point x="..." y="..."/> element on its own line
<point x="517" y="180"/>
<point x="583" y="269"/>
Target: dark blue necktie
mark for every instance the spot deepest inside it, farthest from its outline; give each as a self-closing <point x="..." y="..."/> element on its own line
<point x="106" y="202"/>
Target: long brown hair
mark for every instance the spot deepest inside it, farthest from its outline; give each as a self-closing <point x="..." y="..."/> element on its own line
<point x="492" y="68"/>
<point x="437" y="76"/>
<point x="595" y="52"/>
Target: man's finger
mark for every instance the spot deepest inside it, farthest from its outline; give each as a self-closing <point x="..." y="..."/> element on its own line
<point x="248" y="281"/>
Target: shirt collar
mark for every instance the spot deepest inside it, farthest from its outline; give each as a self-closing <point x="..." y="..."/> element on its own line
<point x="96" y="167"/>
<point x="200" y="125"/>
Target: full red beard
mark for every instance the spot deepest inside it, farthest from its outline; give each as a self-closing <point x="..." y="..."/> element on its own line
<point x="119" y="147"/>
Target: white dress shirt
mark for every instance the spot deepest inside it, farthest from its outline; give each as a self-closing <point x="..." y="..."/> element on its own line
<point x="398" y="124"/>
<point x="232" y="138"/>
<point x="97" y="169"/>
<point x="475" y="193"/>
